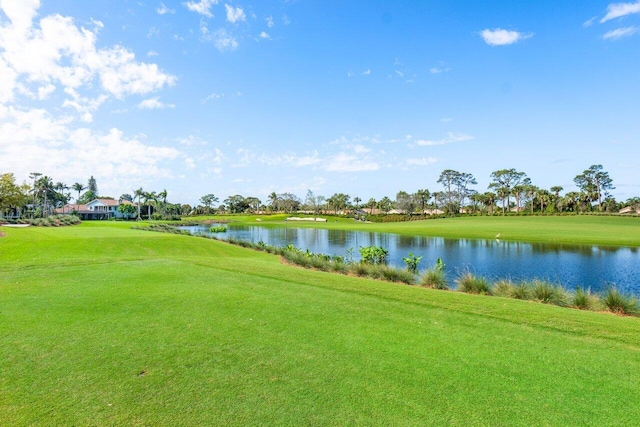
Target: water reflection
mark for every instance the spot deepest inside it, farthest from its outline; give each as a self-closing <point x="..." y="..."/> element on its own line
<point x="572" y="265"/>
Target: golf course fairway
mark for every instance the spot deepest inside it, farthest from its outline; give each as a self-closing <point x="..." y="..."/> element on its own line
<point x="105" y="325"/>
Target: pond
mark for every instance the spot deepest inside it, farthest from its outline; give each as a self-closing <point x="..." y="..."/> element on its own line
<point x="594" y="267"/>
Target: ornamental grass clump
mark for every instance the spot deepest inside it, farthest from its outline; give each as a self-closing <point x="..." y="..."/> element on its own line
<point x="320" y="262"/>
<point x="548" y="293"/>
<point x="434" y="278"/>
<point x="521" y="291"/>
<point x="400" y="275"/>
<point x="360" y="269"/>
<point x="503" y="288"/>
<point x="585" y="300"/>
<point x="338" y="266"/>
<point x="472" y="284"/>
<point x="619" y="303"/>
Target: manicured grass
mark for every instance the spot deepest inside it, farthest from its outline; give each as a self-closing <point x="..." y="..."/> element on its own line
<point x="577" y="229"/>
<point x="104" y="325"/>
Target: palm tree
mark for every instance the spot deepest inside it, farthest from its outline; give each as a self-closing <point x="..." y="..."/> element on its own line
<point x="423" y="197"/>
<point x="556" y="195"/>
<point x="79" y="188"/>
<point x="372" y="204"/>
<point x="489" y="200"/>
<point x="532" y="190"/>
<point x="357" y="201"/>
<point x="544" y="196"/>
<point x="385" y="204"/>
<point x="163" y="195"/>
<point x="60" y="187"/>
<point x="138" y="193"/>
<point x="149" y="197"/>
<point x="273" y="201"/>
<point x="45" y="187"/>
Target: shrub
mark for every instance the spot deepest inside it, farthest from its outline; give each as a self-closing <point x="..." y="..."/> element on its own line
<point x="320" y="263"/>
<point x="338" y="266"/>
<point x="548" y="293"/>
<point x="392" y="274"/>
<point x="218" y="229"/>
<point x="585" y="300"/>
<point x="472" y="284"/>
<point x="434" y="278"/>
<point x="360" y="269"/>
<point x="412" y="262"/>
<point x="503" y="288"/>
<point x="374" y="254"/>
<point x="297" y="258"/>
<point x="521" y="291"/>
<point x="619" y="303"/>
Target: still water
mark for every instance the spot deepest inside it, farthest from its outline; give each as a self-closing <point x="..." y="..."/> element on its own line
<point x="593" y="267"/>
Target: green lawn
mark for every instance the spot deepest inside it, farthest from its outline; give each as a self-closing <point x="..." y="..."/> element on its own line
<point x="577" y="229"/>
<point x="104" y="325"/>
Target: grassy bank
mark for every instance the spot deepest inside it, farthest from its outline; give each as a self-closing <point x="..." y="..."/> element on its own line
<point x="576" y="229"/>
<point x="104" y="325"/>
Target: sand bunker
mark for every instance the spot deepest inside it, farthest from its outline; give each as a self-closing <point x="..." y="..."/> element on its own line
<point x="294" y="218"/>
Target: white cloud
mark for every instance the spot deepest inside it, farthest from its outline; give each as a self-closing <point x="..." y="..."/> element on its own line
<point x="29" y="136"/>
<point x="45" y="91"/>
<point x="423" y="161"/>
<point x="153" y="33"/>
<point x="264" y="36"/>
<point x="618" y="10"/>
<point x="589" y="22"/>
<point x="450" y="138"/>
<point x="619" y="33"/>
<point x="154" y="104"/>
<point x="152" y="53"/>
<point x="189" y="163"/>
<point x="55" y="60"/>
<point x="163" y="9"/>
<point x="366" y="72"/>
<point x="500" y="37"/>
<point x="85" y="106"/>
<point x="360" y="149"/>
<point x="270" y="22"/>
<point x="235" y="14"/>
<point x="223" y="40"/>
<point x="345" y="162"/>
<point x="192" y="140"/>
<point x="203" y="7"/>
<point x="59" y="53"/>
<point x="212" y="96"/>
<point x="308" y="160"/>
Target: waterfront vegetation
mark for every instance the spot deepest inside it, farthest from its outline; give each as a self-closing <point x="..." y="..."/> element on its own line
<point x="218" y="229"/>
<point x="105" y="324"/>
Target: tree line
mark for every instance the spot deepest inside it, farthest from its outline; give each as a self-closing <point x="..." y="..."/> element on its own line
<point x="510" y="190"/>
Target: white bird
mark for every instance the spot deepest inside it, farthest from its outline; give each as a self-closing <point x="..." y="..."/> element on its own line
<point x="497" y="235"/>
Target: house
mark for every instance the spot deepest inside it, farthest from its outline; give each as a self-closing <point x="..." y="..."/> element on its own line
<point x="95" y="209"/>
<point x="629" y="210"/>
<point x="433" y="212"/>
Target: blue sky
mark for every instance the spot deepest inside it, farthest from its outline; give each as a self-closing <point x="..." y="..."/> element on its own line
<point x="362" y="97"/>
